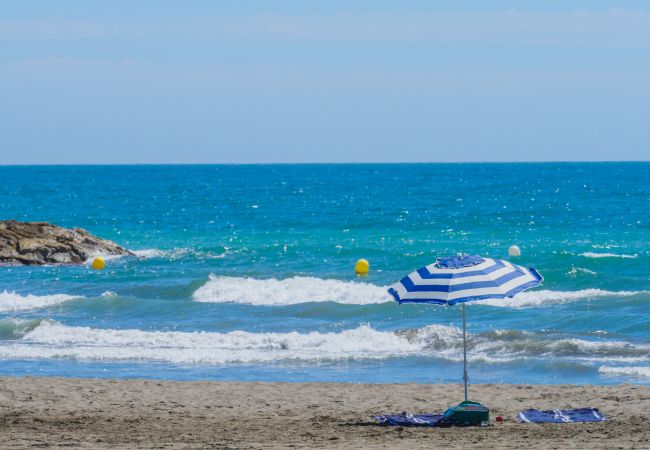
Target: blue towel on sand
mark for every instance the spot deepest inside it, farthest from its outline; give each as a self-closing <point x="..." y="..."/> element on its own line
<point x="561" y="415"/>
<point x="410" y="420"/>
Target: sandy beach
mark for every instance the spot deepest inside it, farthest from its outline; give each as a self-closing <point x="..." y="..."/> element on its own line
<point x="42" y="412"/>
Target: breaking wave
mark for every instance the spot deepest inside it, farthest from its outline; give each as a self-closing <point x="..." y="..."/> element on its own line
<point x="149" y="253"/>
<point x="179" y="253"/>
<point x="607" y="255"/>
<point x="531" y="299"/>
<point x="291" y="291"/>
<point x="54" y="340"/>
<point x="17" y="328"/>
<point x="633" y="371"/>
<point x="51" y="339"/>
<point x="11" y="301"/>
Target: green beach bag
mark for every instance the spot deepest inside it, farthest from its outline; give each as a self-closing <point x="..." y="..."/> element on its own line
<point x="467" y="413"/>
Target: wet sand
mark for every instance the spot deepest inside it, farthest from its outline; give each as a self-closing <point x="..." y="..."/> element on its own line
<point x="42" y="412"/>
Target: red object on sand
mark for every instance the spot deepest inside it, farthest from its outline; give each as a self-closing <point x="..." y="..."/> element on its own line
<point x="499" y="419"/>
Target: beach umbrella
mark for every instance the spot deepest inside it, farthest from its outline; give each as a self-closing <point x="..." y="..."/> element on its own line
<point x="463" y="278"/>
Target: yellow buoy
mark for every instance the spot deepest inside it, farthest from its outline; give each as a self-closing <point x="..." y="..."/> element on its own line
<point x="362" y="267"/>
<point x="98" y="263"/>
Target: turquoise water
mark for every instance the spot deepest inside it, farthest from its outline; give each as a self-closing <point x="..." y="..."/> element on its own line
<point x="246" y="272"/>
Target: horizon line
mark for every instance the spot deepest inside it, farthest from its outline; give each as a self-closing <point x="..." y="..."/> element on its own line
<point x="318" y="163"/>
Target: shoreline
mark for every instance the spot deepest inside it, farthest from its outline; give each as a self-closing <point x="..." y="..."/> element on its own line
<point x="106" y="413"/>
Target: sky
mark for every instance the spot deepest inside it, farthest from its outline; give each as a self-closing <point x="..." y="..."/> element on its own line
<point x="148" y="82"/>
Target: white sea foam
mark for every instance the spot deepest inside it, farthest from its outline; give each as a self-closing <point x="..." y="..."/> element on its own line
<point x="149" y="253"/>
<point x="11" y="301"/>
<point x="50" y="339"/>
<point x="297" y="290"/>
<point x="54" y="340"/>
<point x="634" y="371"/>
<point x="104" y="256"/>
<point x="108" y="294"/>
<point x="607" y="255"/>
<point x="530" y="299"/>
<point x="289" y="291"/>
<point x="179" y="253"/>
<point x="580" y="270"/>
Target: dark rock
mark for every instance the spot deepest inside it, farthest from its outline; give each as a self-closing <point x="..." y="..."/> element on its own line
<point x="36" y="243"/>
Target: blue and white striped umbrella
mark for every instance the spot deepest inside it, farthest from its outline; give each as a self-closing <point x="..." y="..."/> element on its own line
<point x="459" y="279"/>
<point x="463" y="278"/>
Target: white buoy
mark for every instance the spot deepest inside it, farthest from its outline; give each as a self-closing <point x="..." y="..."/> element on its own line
<point x="514" y="250"/>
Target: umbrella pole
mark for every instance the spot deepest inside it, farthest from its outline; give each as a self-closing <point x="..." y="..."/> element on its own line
<point x="465" y="377"/>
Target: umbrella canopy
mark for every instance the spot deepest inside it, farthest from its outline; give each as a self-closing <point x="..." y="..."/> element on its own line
<point x="463" y="278"/>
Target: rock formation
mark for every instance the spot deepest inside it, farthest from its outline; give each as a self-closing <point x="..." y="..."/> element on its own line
<point x="36" y="243"/>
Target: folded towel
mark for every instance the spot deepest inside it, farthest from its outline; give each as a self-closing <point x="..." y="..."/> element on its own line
<point x="561" y="415"/>
<point x="410" y="420"/>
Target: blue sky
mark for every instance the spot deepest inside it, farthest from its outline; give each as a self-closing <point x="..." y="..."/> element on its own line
<point x="284" y="81"/>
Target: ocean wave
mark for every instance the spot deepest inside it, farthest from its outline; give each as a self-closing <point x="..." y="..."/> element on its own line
<point x="108" y="294"/>
<point x="180" y="253"/>
<point x="17" y="328"/>
<point x="508" y="345"/>
<point x="289" y="291"/>
<point x="292" y="291"/>
<point x="149" y="253"/>
<point x="633" y="371"/>
<point x="104" y="256"/>
<point x="51" y="339"/>
<point x="580" y="270"/>
<point x="531" y="299"/>
<point x="607" y="255"/>
<point x="54" y="340"/>
<point x="11" y="301"/>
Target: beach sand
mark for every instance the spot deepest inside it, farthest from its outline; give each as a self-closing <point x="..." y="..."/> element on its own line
<point x="41" y="412"/>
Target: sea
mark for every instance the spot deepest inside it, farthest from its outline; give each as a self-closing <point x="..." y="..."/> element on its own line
<point x="246" y="272"/>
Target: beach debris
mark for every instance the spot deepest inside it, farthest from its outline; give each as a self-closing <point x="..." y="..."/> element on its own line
<point x="38" y="243"/>
<point x="514" y="250"/>
<point x="362" y="267"/>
